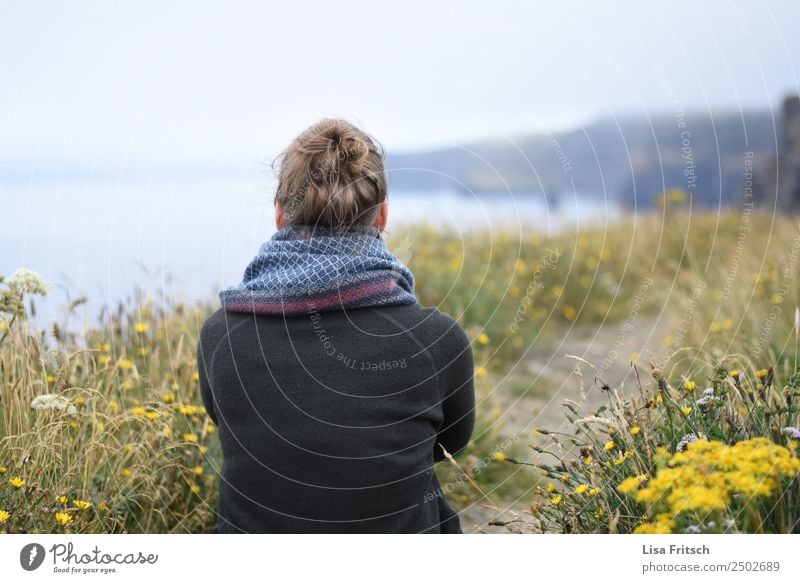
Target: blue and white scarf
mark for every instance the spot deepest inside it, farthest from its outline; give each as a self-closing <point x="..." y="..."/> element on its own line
<point x="304" y="269"/>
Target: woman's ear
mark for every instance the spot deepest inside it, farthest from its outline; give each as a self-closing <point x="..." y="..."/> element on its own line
<point x="382" y="217"/>
<point x="280" y="218"/>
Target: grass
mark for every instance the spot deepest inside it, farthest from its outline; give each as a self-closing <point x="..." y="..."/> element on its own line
<point x="138" y="453"/>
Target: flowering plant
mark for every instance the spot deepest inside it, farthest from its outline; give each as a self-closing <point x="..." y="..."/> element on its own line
<point x="664" y="460"/>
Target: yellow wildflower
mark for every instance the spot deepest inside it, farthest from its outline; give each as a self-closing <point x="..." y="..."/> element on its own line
<point x="63" y="518"/>
<point x="190" y="437"/>
<point x="63" y="500"/>
<point x="203" y="449"/>
<point x="198" y="470"/>
<point x="141" y="327"/>
<point x="652" y="528"/>
<point x="195" y="376"/>
<point x="555" y="500"/>
<point x="589" y="459"/>
<point x="500" y="456"/>
<point x="3" y="470"/>
<point x="686" y="410"/>
<point x="594" y="491"/>
<point x="483" y="339"/>
<point x="125" y="473"/>
<point x="551" y="487"/>
<point x="609" y="445"/>
<point x="581" y="489"/>
<point x="103" y="507"/>
<point x="17" y="482"/>
<point x="4" y="516"/>
<point x="635" y="431"/>
<point x="481" y="372"/>
<point x="706" y="476"/>
<point x="690" y="386"/>
<point x="628" y="485"/>
<point x="82" y="504"/>
<point x="195" y="489"/>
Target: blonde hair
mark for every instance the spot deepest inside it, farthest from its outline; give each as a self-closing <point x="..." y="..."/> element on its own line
<point x="331" y="175"/>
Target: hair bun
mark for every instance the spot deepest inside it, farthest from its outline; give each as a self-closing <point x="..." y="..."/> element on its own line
<point x="334" y="148"/>
<point x="353" y="151"/>
<point x="332" y="174"/>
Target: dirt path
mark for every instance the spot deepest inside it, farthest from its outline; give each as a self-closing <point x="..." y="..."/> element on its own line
<point x="532" y="395"/>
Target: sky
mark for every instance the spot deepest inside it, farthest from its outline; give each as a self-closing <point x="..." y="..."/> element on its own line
<point x="220" y="84"/>
<point x="133" y="134"/>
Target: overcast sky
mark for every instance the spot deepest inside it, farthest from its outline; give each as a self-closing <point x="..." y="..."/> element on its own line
<point x="182" y="81"/>
<point x="131" y="132"/>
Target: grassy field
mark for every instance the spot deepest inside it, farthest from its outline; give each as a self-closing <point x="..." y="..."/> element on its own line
<point x="106" y="433"/>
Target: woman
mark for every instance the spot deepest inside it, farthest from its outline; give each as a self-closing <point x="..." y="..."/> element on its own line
<point x="334" y="391"/>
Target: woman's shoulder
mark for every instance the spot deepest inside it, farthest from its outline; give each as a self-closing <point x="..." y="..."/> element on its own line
<point x="219" y="324"/>
<point x="433" y="326"/>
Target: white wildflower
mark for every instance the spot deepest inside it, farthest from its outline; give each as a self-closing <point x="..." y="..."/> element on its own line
<point x="687" y="439"/>
<point x="792" y="432"/>
<point x="52" y="402"/>
<point x="708" y="398"/>
<point x="27" y="281"/>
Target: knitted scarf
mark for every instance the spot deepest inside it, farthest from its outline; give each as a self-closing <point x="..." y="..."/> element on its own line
<point x="303" y="269"/>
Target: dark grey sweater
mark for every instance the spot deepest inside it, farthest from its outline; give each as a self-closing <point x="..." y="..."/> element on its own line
<point x="330" y="422"/>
